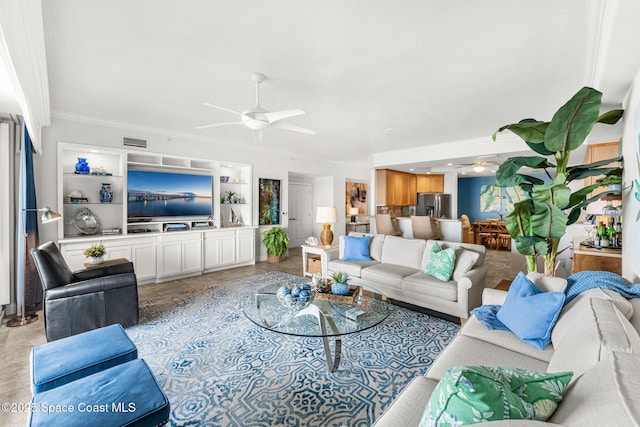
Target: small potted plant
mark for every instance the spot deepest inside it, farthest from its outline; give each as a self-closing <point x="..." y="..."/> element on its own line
<point x="340" y="285"/>
<point x="95" y="253"/>
<point x="276" y="241"/>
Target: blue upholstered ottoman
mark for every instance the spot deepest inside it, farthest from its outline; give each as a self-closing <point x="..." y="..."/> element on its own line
<point x="125" y="395"/>
<point x="68" y="359"/>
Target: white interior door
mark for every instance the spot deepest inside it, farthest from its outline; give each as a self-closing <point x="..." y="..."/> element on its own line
<point x="299" y="213"/>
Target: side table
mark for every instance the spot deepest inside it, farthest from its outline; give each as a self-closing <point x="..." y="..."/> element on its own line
<point x="107" y="262"/>
<point x="323" y="252"/>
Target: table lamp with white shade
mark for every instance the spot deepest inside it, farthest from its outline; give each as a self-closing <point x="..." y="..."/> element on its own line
<point x="326" y="215"/>
<point x="354" y="213"/>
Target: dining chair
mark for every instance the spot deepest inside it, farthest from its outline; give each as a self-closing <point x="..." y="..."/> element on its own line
<point x="384" y="225"/>
<point x="421" y="227"/>
<point x="484" y="233"/>
<point x="504" y="238"/>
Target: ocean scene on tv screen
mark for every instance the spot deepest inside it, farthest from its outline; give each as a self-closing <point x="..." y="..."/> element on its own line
<point x="159" y="194"/>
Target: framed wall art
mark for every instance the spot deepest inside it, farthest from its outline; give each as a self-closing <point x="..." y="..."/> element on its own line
<point x="268" y="201"/>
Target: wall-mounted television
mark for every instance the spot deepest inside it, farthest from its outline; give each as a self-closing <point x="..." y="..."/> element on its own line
<point x="152" y="194"/>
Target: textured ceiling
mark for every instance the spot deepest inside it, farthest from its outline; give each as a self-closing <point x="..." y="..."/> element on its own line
<point x="372" y="76"/>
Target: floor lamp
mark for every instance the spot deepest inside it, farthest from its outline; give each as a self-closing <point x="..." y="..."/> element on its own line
<point x="48" y="215"/>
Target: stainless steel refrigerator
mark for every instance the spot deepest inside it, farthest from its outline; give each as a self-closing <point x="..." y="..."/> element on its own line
<point x="434" y="205"/>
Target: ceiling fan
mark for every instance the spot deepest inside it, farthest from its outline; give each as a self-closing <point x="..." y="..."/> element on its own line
<point x="477" y="166"/>
<point x="257" y="118"/>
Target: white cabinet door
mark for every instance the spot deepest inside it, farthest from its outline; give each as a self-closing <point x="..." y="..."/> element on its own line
<point x="169" y="258"/>
<point x="192" y="255"/>
<point x="245" y="246"/>
<point x="117" y="251"/>
<point x="144" y="260"/>
<point x="219" y="248"/>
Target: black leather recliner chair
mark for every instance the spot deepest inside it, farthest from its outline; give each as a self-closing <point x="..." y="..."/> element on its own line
<point x="80" y="301"/>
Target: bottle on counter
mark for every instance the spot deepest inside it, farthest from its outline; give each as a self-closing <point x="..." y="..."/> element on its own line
<point x="613" y="235"/>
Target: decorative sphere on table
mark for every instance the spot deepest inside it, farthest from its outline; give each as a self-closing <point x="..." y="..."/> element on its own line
<point x="295" y="296"/>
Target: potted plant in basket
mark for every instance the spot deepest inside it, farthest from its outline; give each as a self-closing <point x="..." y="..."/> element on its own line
<point x="276" y="241"/>
<point x="539" y="221"/>
<point x="95" y="253"/>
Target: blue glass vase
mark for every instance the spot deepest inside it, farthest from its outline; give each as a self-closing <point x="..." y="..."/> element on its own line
<point x="82" y="166"/>
<point x="106" y="195"/>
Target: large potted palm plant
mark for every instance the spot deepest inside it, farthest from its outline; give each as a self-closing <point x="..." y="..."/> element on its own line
<point x="539" y="221"/>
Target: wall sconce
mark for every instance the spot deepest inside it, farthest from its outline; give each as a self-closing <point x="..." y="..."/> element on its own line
<point x="326" y="215"/>
<point x="354" y="213"/>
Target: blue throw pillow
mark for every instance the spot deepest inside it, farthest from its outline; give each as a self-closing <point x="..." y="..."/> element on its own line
<point x="356" y="248"/>
<point x="529" y="312"/>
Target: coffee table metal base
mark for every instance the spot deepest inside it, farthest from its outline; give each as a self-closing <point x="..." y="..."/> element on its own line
<point x="333" y="361"/>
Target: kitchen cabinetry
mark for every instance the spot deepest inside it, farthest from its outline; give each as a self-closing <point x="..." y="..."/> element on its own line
<point x="432" y="183"/>
<point x="395" y="188"/>
<point x="596" y="153"/>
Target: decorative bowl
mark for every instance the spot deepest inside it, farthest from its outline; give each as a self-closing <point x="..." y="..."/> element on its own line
<point x="340" y="288"/>
<point x="296" y="296"/>
<point x="224" y="179"/>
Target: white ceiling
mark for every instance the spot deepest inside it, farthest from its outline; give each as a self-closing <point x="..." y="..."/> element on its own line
<point x="372" y="76"/>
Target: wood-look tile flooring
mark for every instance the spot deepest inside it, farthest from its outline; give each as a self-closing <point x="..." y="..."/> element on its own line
<point x="16" y="343"/>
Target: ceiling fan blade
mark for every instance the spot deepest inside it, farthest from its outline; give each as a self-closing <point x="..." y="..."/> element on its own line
<point x="257" y="136"/>
<point x="218" y="124"/>
<point x="279" y="115"/>
<point x="293" y="128"/>
<point x="221" y="108"/>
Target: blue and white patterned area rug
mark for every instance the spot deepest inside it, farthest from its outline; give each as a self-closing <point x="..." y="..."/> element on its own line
<point x="220" y="369"/>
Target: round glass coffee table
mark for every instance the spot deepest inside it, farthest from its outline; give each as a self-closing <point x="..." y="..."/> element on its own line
<point x="327" y="316"/>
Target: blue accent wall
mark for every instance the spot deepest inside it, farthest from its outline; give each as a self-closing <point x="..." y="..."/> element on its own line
<point x="469" y="197"/>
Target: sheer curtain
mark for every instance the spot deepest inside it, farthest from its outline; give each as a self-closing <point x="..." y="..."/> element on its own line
<point x="9" y="148"/>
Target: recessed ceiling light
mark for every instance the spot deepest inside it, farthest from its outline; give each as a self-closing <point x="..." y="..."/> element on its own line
<point x="389" y="130"/>
<point x="449" y="164"/>
<point x="411" y="169"/>
<point x="464" y="173"/>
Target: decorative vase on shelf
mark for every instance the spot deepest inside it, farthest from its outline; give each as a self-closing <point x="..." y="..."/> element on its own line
<point x="82" y="166"/>
<point x="106" y="195"/>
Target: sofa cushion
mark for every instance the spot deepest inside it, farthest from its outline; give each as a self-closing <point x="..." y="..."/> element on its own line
<point x="441" y="263"/>
<point x="408" y="406"/>
<point x="470" y="351"/>
<point x="606" y="395"/>
<point x="595" y="328"/>
<point x="404" y="252"/>
<point x="375" y="246"/>
<point x="465" y="261"/>
<point x="424" y="284"/>
<point x="389" y="274"/>
<point x="507" y="339"/>
<point x="469" y="394"/>
<point x="530" y="313"/>
<point x="356" y="248"/>
<point x="547" y="283"/>
<point x="479" y="249"/>
<point x="352" y="268"/>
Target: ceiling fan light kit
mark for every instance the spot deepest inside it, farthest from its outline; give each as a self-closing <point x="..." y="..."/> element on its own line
<point x="257" y="118"/>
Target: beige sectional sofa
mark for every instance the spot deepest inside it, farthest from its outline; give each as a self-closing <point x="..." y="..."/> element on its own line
<point x="397" y="269"/>
<point x="595" y="337"/>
